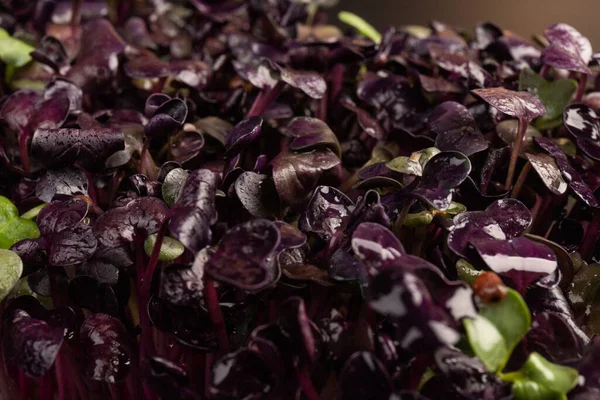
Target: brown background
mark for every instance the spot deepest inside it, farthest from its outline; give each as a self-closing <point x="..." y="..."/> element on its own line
<point x="524" y="17"/>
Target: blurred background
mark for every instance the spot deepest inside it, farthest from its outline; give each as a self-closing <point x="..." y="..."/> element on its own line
<point x="524" y="17"/>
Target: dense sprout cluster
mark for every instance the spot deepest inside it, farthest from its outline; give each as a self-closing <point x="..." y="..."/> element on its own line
<point x="231" y="200"/>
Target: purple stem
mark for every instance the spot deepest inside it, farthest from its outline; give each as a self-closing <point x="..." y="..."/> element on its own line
<point x="24" y="151"/>
<point x="591" y="237"/>
<point x="264" y="98"/>
<point x="76" y="12"/>
<point x="514" y="156"/>
<point x="544" y="71"/>
<point x="60" y="378"/>
<point x="216" y="316"/>
<point x="580" y="87"/>
<point x="306" y="385"/>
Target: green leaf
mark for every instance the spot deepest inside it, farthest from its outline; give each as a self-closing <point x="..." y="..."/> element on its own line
<point x="362" y="26"/>
<point x="169" y="250"/>
<point x="423" y="156"/>
<point x="553" y="376"/>
<point x="529" y="390"/>
<point x="455" y="208"/>
<point x="538" y="378"/>
<point x="422" y="218"/>
<point x="31" y="214"/>
<point x="11" y="268"/>
<point x="510" y="316"/>
<point x="17" y="229"/>
<point x="405" y="165"/>
<point x="8" y="210"/>
<point x="555" y="95"/>
<point x="467" y="272"/>
<point x="14" y="51"/>
<point x="487" y="342"/>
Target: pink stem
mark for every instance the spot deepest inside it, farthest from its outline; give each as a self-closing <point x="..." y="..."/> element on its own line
<point x="264" y="98"/>
<point x="580" y="87"/>
<point x="514" y="156"/>
<point x="24" y="151"/>
<point x="306" y="385"/>
<point x="216" y="316"/>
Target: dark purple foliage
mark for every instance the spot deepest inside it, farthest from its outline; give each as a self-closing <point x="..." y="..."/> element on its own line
<point x="456" y="129"/>
<point x="242" y="200"/>
<point x="56" y="148"/>
<point x="442" y="173"/>
<point x="108" y="351"/>
<point x="194" y="212"/>
<point x="250" y="266"/>
<point x="35" y="343"/>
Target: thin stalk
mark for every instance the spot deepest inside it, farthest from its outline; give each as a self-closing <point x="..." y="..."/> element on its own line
<point x="216" y="316"/>
<point x="401" y="217"/>
<point x="59" y="371"/>
<point x="24" y="151"/>
<point x="420" y="235"/>
<point x="76" y="12"/>
<point x="306" y="385"/>
<point x="514" y="156"/>
<point x="264" y="98"/>
<point x="148" y="166"/>
<point x="323" y="108"/>
<point x="580" y="87"/>
<point x="521" y="180"/>
<point x="591" y="237"/>
<point x="544" y="71"/>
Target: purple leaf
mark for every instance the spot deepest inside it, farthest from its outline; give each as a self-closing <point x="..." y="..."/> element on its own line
<point x="401" y="296"/>
<point x="55" y="148"/>
<point x="241" y="375"/>
<point x="241" y="135"/>
<point x="297" y="174"/>
<point x="186" y="146"/>
<point x="35" y="342"/>
<point x="154" y="102"/>
<point x="122" y="225"/>
<point x="441" y="175"/>
<point x="458" y="63"/>
<point x="469" y="376"/>
<point x="290" y="236"/>
<point x="257" y="194"/>
<point x="195" y="212"/>
<point x="503" y="219"/>
<point x="582" y="123"/>
<point x="51" y="52"/>
<point x="95" y="68"/>
<point x="247" y="266"/>
<point x="456" y="129"/>
<point x="520" y="259"/>
<point x="568" y="49"/>
<point x="107" y="349"/>
<point x="182" y="284"/>
<point x="521" y="105"/>
<point x="365" y="120"/>
<point x="548" y="171"/>
<point x="375" y="245"/>
<point x="66" y="181"/>
<point x="72" y="245"/>
<point x="569" y="173"/>
<point x="309" y="133"/>
<point x="167" y="119"/>
<point x="59" y="215"/>
<point x="326" y="212"/>
<point x="364" y="377"/>
<point x="136" y="33"/>
<point x="18" y="108"/>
